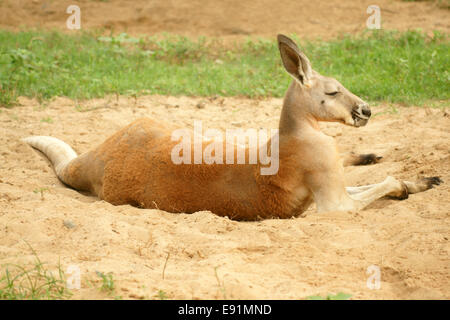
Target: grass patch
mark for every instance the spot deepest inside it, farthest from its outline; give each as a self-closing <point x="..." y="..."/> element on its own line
<point x="47" y="119"/>
<point x="161" y="295"/>
<point x="108" y="286"/>
<point x="409" y="67"/>
<point x="32" y="283"/>
<point x="338" y="296"/>
<point x="107" y="282"/>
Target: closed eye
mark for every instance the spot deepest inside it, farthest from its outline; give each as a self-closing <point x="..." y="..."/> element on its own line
<point x="332" y="93"/>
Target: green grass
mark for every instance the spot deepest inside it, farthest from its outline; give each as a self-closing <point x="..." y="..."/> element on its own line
<point x="409" y="68"/>
<point x="338" y="296"/>
<point x="36" y="282"/>
<point x="47" y="119"/>
<point x="161" y="295"/>
<point x="108" y="286"/>
<point x="107" y="282"/>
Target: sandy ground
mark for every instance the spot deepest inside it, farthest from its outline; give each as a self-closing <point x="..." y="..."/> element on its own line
<point x="227" y="18"/>
<point x="272" y="259"/>
<point x="205" y="256"/>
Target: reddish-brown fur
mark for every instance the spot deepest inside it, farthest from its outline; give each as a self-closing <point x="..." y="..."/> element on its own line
<point x="135" y="167"/>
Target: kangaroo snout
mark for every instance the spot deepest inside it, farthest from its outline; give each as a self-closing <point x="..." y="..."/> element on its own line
<point x="362" y="110"/>
<point x="365" y="110"/>
<point x="361" y="114"/>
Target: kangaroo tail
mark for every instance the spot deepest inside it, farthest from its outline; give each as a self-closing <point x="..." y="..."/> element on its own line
<point x="58" y="152"/>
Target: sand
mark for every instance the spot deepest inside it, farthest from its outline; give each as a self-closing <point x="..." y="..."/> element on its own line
<point x="228" y="19"/>
<point x="209" y="257"/>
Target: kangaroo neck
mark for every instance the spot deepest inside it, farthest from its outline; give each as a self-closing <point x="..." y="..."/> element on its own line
<point x="295" y="119"/>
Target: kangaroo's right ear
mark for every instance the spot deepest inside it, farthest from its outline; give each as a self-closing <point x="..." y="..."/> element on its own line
<point x="295" y="62"/>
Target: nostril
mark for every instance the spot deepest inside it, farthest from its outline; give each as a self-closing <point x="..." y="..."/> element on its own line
<point x="366" y="112"/>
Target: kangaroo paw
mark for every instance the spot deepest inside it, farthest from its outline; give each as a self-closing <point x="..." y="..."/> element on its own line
<point x="431" y="181"/>
<point x="423" y="184"/>
<point x="369" y="158"/>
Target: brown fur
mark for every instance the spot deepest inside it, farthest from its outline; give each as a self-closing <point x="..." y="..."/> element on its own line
<point x="361" y="159"/>
<point x="134" y="167"/>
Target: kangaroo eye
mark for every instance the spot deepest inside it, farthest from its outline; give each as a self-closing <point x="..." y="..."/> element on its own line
<point x="332" y="93"/>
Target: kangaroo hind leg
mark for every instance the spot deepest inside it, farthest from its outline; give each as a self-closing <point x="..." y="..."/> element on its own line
<point x="390" y="187"/>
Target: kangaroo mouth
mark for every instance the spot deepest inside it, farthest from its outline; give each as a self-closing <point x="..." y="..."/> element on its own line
<point x="358" y="119"/>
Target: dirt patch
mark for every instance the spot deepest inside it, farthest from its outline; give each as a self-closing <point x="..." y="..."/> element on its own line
<point x="275" y="259"/>
<point x="226" y="18"/>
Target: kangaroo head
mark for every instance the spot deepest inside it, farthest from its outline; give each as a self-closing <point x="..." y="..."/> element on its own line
<point x="322" y="97"/>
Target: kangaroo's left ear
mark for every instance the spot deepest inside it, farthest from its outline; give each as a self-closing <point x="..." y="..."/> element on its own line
<point x="295" y="62"/>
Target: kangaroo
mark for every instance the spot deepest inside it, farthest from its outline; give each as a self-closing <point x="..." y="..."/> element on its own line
<point x="134" y="165"/>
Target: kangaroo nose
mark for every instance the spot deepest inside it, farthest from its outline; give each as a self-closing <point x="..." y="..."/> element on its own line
<point x="366" y="111"/>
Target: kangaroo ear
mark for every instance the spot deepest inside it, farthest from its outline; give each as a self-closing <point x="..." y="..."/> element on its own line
<point x="295" y="62"/>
